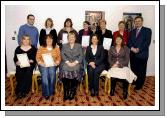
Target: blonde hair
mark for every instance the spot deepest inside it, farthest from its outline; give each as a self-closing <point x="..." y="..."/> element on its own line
<point x="49" y="19"/>
<point x="23" y="37"/>
<point x="71" y="33"/>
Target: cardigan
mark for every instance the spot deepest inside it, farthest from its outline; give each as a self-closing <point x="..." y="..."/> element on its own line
<point x="31" y="53"/>
<point x="122" y="57"/>
<point x="55" y="52"/>
<point x="43" y="34"/>
<point x="60" y="35"/>
<point x="107" y="34"/>
<point x="81" y="34"/>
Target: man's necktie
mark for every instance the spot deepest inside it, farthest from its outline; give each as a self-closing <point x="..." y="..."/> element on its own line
<point x="137" y="32"/>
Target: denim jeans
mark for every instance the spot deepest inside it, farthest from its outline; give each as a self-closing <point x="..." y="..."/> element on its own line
<point x="48" y="75"/>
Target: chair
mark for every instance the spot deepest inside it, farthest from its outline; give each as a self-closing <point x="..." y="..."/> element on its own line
<point x="107" y="83"/>
<point x="34" y="81"/>
<point x="11" y="76"/>
<point x="86" y="84"/>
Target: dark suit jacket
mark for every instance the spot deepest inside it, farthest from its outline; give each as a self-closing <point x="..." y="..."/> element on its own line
<point x="43" y="34"/>
<point x="142" y="41"/>
<point x="81" y="34"/>
<point x="107" y="34"/>
<point x="98" y="58"/>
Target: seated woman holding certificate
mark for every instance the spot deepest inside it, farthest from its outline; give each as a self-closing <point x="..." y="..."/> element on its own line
<point x="95" y="61"/>
<point x="24" y="59"/>
<point x="72" y="57"/>
<point x="48" y="57"/>
<point x="63" y="33"/>
<point x="105" y="39"/>
<point x="118" y="58"/>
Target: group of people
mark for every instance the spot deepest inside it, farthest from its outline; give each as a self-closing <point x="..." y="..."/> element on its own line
<point x="74" y="60"/>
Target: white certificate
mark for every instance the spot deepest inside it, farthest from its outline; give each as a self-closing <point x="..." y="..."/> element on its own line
<point x="65" y="40"/>
<point x="23" y="59"/>
<point x="85" y="41"/>
<point x="107" y="43"/>
<point x="48" y="59"/>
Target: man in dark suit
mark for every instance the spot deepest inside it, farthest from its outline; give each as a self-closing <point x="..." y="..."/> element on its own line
<point x="139" y="41"/>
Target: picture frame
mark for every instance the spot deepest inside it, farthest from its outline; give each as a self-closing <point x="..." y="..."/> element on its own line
<point x="93" y="18"/>
<point x="128" y="18"/>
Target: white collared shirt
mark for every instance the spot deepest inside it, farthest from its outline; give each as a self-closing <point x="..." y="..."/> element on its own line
<point x="48" y="30"/>
<point x="94" y="49"/>
<point x="139" y="28"/>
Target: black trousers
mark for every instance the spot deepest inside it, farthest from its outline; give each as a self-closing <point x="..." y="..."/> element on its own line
<point x="69" y="85"/>
<point x="113" y="85"/>
<point x="23" y="79"/>
<point x="139" y="67"/>
<point x="93" y="77"/>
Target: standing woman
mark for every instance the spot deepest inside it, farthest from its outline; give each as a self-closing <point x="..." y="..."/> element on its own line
<point x="95" y="61"/>
<point x="86" y="31"/>
<point x="118" y="57"/>
<point x="104" y="33"/>
<point x="24" y="75"/>
<point x="48" y="74"/>
<point x="48" y="30"/>
<point x="68" y="27"/>
<point x="121" y="31"/>
<point x="72" y="57"/>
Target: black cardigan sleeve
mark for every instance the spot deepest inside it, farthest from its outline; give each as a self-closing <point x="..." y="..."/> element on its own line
<point x="54" y="34"/>
<point x="42" y="36"/>
<point x="15" y="54"/>
<point x="33" y="54"/>
<point x="80" y="36"/>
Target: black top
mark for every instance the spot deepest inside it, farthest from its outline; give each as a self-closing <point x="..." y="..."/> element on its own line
<point x="31" y="53"/>
<point x="90" y="32"/>
<point x="43" y="34"/>
<point x="107" y="34"/>
<point x="98" y="58"/>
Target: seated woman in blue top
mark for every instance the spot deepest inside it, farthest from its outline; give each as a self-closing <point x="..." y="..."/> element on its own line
<point x="95" y="61"/>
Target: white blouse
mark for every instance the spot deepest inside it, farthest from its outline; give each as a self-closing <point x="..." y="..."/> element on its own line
<point x="94" y="49"/>
<point x="48" y="30"/>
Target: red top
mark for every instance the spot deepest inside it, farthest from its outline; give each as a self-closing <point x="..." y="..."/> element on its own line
<point x="125" y="36"/>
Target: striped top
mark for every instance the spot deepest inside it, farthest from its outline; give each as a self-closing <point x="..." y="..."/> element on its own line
<point x="55" y="52"/>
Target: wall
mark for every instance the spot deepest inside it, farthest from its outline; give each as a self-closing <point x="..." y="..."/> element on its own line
<point x="16" y="15"/>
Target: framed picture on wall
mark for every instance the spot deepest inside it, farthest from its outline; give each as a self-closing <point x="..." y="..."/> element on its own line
<point x="93" y="17"/>
<point x="129" y="20"/>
